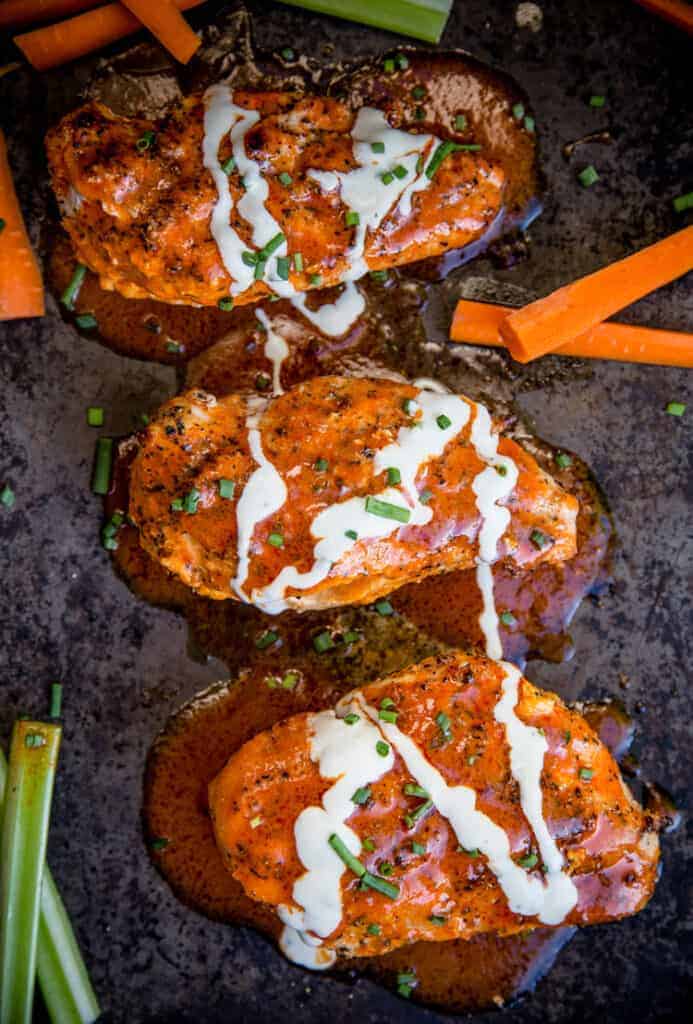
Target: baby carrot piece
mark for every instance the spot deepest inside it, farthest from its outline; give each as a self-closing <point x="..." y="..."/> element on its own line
<point x="54" y="45"/>
<point x="679" y="14"/>
<point x="164" y="20"/>
<point x="547" y="324"/>
<point x="479" y="323"/>
<point x="21" y="287"/>
<point x="14" y="13"/>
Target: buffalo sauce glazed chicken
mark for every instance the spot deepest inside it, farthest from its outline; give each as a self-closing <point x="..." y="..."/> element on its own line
<point x="235" y="195"/>
<point x="339" y="491"/>
<point x="447" y="800"/>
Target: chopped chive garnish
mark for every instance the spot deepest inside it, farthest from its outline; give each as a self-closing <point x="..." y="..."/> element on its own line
<point x="298" y="262"/>
<point x="518" y="111"/>
<point x="158" y="843"/>
<point x="72" y="291"/>
<point x="352" y="718"/>
<point x="437" y="919"/>
<point x="388" y="66"/>
<point x="567" y="736"/>
<point x="418" y="92"/>
<point x="101" y="480"/>
<point x="540" y="540"/>
<point x="259" y="271"/>
<point x="388" y="889"/>
<point x="379" y="275"/>
<point x="255" y="822"/>
<point x="283" y="267"/>
<point x="384" y="608"/>
<point x="228" y="165"/>
<point x="683" y="202"/>
<point x="323" y="642"/>
<point x="344" y="854"/>
<point x="351" y="534"/>
<point x="321" y="464"/>
<point x="586" y="773"/>
<point x="385" y="868"/>
<point x="352" y="219"/>
<point x="146" y="140"/>
<point x="409" y="406"/>
<point x="190" y="501"/>
<point x="285" y="178"/>
<point x="387" y="178"/>
<point x="362" y="795"/>
<point x="405" y="985"/>
<point x="468" y="147"/>
<point x="442" y="150"/>
<point x="249" y="258"/>
<point x="400" y="171"/>
<point x="276" y="540"/>
<point x="368" y="845"/>
<point x="95" y="416"/>
<point x="443" y="421"/>
<point x="460" y="123"/>
<point x="501" y="470"/>
<point x="288" y="53"/>
<point x="350" y="637"/>
<point x="56" y="700"/>
<point x="382" y="748"/>
<point x="473" y="853"/>
<point x="316" y="279"/>
<point x="472" y="759"/>
<point x="373" y="929"/>
<point x="176" y="505"/>
<point x="289" y="680"/>
<point x="402" y="61"/>
<point x="508" y="619"/>
<point x="386" y="510"/>
<point x="418" y="848"/>
<point x="563" y="460"/>
<point x="225" y="304"/>
<point x="393" y="475"/>
<point x="676" y="408"/>
<point x="413" y="789"/>
<point x="266" y="640"/>
<point x="378" y="147"/>
<point x="2" y="223"/>
<point x="443" y="723"/>
<point x="388" y="716"/>
<point x="588" y="176"/>
<point x="530" y="125"/>
<point x="418" y="812"/>
<point x="7" y="496"/>
<point x="173" y="346"/>
<point x="87" y="321"/>
<point x="262" y="382"/>
<point x="529" y="861"/>
<point x="597" y="101"/>
<point x="387" y="702"/>
<point x="226" y="488"/>
<point x="420" y="115"/>
<point x="273" y="244"/>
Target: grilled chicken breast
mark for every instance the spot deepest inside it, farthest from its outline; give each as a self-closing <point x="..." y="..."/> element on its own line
<point x="337" y="492"/>
<point x="182" y="209"/>
<point x="450" y="799"/>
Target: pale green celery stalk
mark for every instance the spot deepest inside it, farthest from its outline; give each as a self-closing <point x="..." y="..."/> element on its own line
<point x="62" y="974"/>
<point x="422" y="19"/>
<point x="23" y="838"/>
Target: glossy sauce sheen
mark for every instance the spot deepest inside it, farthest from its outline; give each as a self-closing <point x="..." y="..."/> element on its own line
<point x="458" y="975"/>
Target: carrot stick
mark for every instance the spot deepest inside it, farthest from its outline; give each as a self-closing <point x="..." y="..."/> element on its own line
<point x="679" y="14"/>
<point x="54" y="45"/>
<point x="547" y="324"/>
<point x="479" y="323"/>
<point x="14" y="13"/>
<point x="164" y="20"/>
<point x="21" y="287"/>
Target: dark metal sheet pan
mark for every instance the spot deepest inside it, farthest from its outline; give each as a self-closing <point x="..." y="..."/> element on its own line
<point x="65" y="615"/>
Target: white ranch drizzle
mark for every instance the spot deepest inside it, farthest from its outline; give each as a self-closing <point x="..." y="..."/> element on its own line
<point x="363" y="192"/>
<point x="276" y="350"/>
<point x="490" y="487"/>
<point x="414" y="447"/>
<point x="347" y="754"/>
<point x="263" y="495"/>
<point x="551" y="899"/>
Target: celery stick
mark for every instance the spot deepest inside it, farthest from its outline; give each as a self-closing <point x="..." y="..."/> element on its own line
<point x="33" y="757"/>
<point x="422" y="19"/>
<point x="62" y="974"/>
